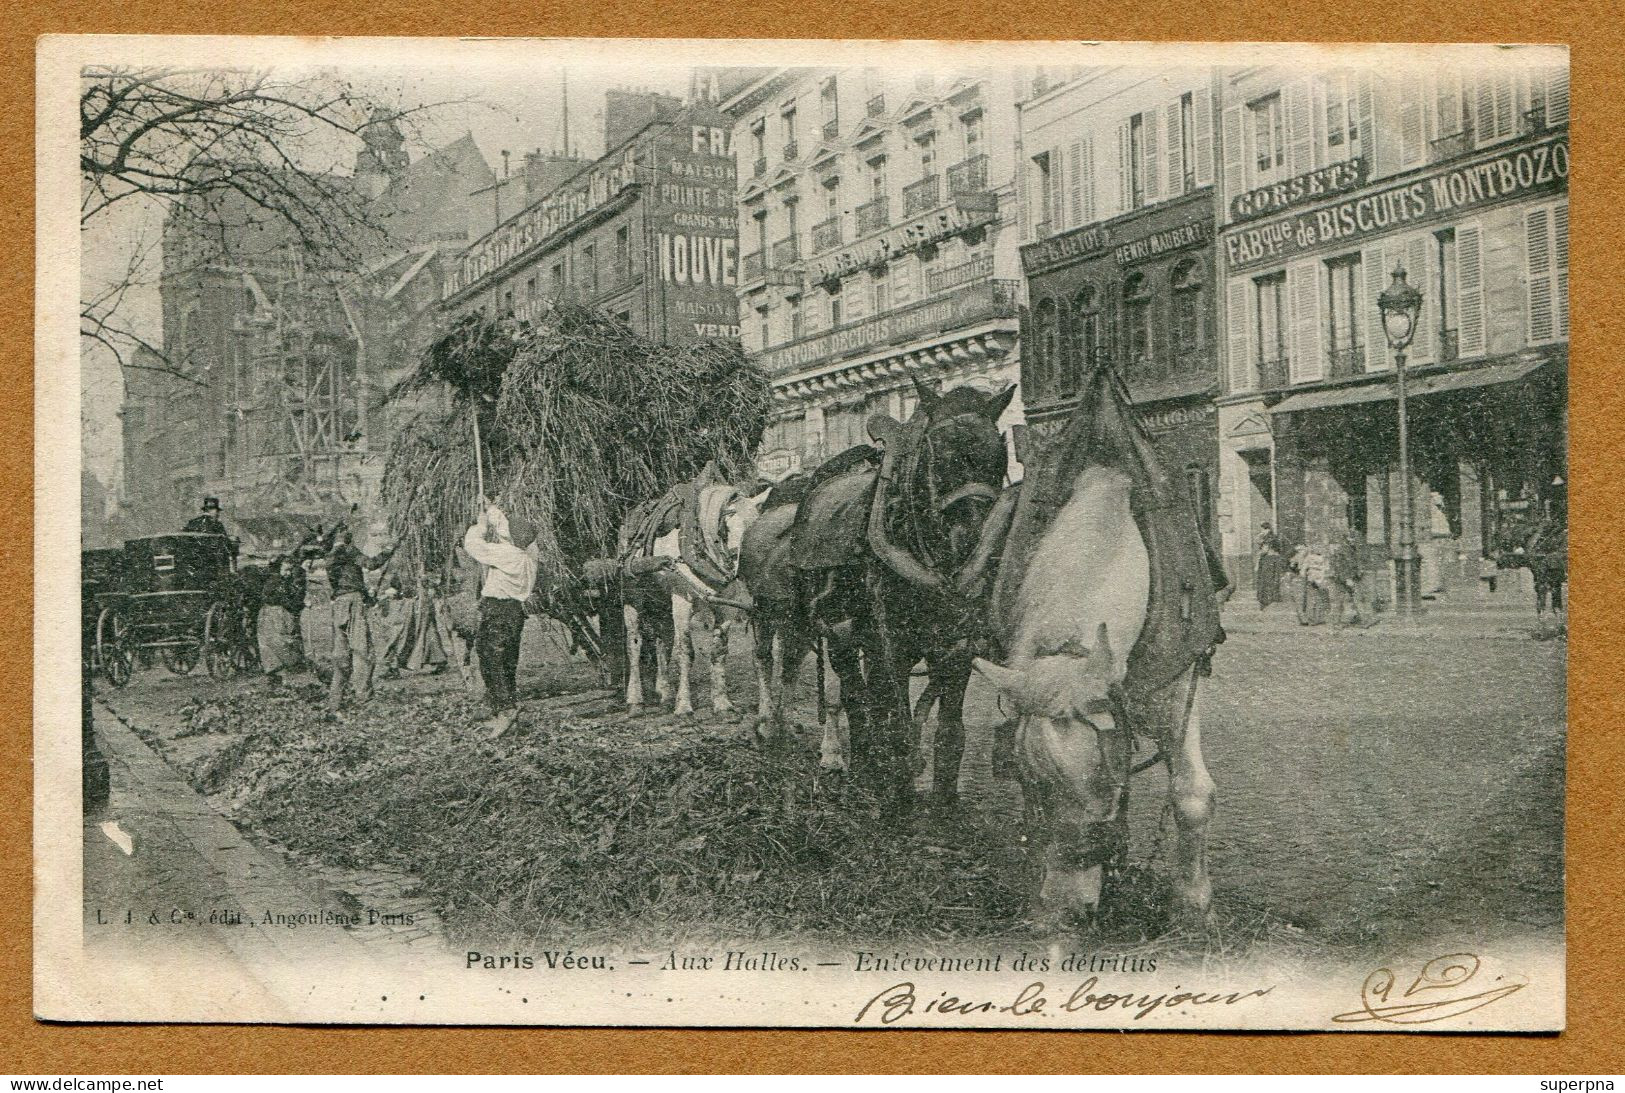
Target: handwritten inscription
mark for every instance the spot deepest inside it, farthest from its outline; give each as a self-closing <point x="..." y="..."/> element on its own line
<point x="906" y="1000"/>
<point x="1436" y="993"/>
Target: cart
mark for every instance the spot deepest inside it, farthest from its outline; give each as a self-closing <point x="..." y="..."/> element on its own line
<point x="176" y="596"/>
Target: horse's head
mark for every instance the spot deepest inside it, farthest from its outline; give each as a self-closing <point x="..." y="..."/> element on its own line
<point x="953" y="475"/>
<point x="739" y="514"/>
<point x="1074" y="757"/>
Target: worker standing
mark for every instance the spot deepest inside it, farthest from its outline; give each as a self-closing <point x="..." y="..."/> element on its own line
<point x="501" y="545"/>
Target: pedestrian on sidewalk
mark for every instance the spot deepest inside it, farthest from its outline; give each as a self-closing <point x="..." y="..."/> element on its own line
<point x="352" y="640"/>
<point x="501" y="545"/>
<point x="274" y="627"/>
<point x="1268" y="573"/>
<point x="1345" y="582"/>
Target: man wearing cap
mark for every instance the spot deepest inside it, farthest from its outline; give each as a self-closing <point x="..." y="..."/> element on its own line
<point x="500" y="544"/>
<point x="352" y="640"/>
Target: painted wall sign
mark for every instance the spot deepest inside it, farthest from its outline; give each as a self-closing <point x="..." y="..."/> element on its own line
<point x="1534" y="169"/>
<point x="692" y="227"/>
<point x="975" y="301"/>
<point x="1194" y="234"/>
<point x="962" y="216"/>
<point x="1329" y="181"/>
<point x="1058" y="250"/>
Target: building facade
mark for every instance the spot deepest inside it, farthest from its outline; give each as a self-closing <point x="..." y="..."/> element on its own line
<point x="645" y="233"/>
<point x="1118" y="220"/>
<point x="1328" y="182"/>
<point x="878" y="245"/>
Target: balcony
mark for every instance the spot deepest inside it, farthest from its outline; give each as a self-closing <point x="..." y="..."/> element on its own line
<point x="876" y="106"/>
<point x="832" y="129"/>
<point x="940" y="280"/>
<point x="921" y="196"/>
<point x="785" y="253"/>
<point x="750" y="268"/>
<point x="1041" y="230"/>
<point x="1273" y="374"/>
<point x="826" y="235"/>
<point x="873" y="216"/>
<point x="968" y="177"/>
<point x="1449" y="345"/>
<point x="1345" y="360"/>
<point x="1452" y="145"/>
<point x="791" y="152"/>
<point x="759" y="168"/>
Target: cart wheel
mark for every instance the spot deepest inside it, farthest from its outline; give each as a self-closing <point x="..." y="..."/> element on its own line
<point x="180" y="659"/>
<point x="113" y="653"/>
<point x="219" y="642"/>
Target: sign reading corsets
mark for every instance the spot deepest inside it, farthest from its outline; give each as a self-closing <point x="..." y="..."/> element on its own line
<point x="1329" y="181"/>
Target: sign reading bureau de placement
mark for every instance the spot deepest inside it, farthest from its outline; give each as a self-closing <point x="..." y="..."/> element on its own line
<point x="1522" y="172"/>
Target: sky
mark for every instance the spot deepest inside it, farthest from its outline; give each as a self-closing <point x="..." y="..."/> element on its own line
<point x="517" y="107"/>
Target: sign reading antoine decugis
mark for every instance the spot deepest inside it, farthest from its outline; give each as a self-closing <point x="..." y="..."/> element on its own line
<point x="1448" y="191"/>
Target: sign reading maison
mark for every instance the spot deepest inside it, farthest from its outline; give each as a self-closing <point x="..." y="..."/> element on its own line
<point x="1537" y="168"/>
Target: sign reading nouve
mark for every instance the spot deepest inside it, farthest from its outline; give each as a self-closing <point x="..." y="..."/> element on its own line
<point x="973" y="302"/>
<point x="1536" y="169"/>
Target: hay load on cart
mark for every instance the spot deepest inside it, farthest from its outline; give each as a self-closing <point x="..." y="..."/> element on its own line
<point x="569" y="421"/>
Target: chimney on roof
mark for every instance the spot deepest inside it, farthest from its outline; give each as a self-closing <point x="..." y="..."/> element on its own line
<point x="625" y="112"/>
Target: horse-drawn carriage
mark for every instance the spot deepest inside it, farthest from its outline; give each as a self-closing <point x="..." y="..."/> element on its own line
<point x="178" y="596"/>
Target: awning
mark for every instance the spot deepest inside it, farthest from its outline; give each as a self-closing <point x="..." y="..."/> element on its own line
<point x="1435" y="384"/>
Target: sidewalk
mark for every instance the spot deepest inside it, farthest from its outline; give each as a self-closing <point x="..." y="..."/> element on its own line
<point x="1439" y="618"/>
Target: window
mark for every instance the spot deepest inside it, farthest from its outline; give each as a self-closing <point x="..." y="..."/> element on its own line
<point x="1342" y="119"/>
<point x="1187" y="140"/>
<point x="971" y="134"/>
<point x="1444" y="292"/>
<point x="761" y="234"/>
<point x="927" y="146"/>
<point x="1269" y="138"/>
<point x="1136" y="161"/>
<point x="1547" y="257"/>
<point x="882" y="286"/>
<point x="1137" y="319"/>
<point x="761" y="327"/>
<point x="758" y="142"/>
<point x="794" y="306"/>
<point x="1495" y="106"/>
<point x="1343" y="287"/>
<point x="507" y="302"/>
<point x="1272" y="328"/>
<point x="792" y="225"/>
<point x="829" y="106"/>
<point x="624" y="317"/>
<point x="1450" y="104"/>
<point x="835" y="307"/>
<point x="623" y="251"/>
<point x="589" y="259"/>
<point x="1047" y="349"/>
<point x="1046" y="189"/>
<point x="1188" y="333"/>
<point x="1087" y="340"/>
<point x="832" y="198"/>
<point x="530" y="289"/>
<point x="877" y="178"/>
<point x="787" y="121"/>
<point x="555" y="280"/>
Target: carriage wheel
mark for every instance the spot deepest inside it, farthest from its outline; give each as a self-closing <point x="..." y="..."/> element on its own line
<point x="219" y="642"/>
<point x="113" y="653"/>
<point x="180" y="659"/>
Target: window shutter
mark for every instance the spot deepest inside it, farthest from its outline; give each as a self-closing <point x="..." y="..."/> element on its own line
<point x="1024" y="191"/>
<point x="1239" y="320"/>
<point x="1560" y="266"/>
<point x="1125" y="186"/>
<point x="1202" y="112"/>
<point x="902" y="276"/>
<point x="1557" y="97"/>
<point x="1303" y="285"/>
<point x="1374" y="266"/>
<point x="1470" y="290"/>
<point x="1447" y="119"/>
<point x="1074" y="166"/>
<point x="1151" y="143"/>
<point x="855" y="296"/>
<point x="1174" y="151"/>
<point x="1538" y="275"/>
<point x="1089" y="214"/>
<point x="1411" y="140"/>
<point x="1419" y="260"/>
<point x="1057" y="188"/>
<point x="1300" y="129"/>
<point x="1235" y="162"/>
<point x="1365" y="96"/>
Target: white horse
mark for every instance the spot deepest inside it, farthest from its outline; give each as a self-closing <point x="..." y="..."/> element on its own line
<point x="1087" y="589"/>
<point x="724" y="516"/>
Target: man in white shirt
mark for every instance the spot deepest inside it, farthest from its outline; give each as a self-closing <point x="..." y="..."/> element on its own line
<point x="502" y="546"/>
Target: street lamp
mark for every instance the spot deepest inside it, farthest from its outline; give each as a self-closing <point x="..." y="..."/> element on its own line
<point x="1400" y="305"/>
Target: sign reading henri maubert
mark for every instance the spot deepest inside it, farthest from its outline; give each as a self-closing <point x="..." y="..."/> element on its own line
<point x="1339" y="178"/>
<point x="1158" y="243"/>
<point x="963" y="215"/>
<point x="1531" y="170"/>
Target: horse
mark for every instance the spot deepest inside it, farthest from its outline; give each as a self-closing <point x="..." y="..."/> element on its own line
<point x="1104" y="554"/>
<point x="877" y="566"/>
<point x="681" y="555"/>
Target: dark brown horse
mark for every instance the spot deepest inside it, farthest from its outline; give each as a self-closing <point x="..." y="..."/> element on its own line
<point x="883" y="566"/>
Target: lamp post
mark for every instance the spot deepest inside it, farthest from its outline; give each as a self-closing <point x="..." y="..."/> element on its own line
<point x="1400" y="305"/>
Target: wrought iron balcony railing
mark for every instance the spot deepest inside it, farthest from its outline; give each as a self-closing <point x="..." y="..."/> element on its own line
<point x="876" y="106"/>
<point x="1449" y="344"/>
<point x="873" y="216"/>
<point x="791" y="151"/>
<point x="1451" y="145"/>
<point x="786" y="252"/>
<point x="826" y="235"/>
<point x="1345" y="360"/>
<point x="921" y="196"/>
<point x="968" y="177"/>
